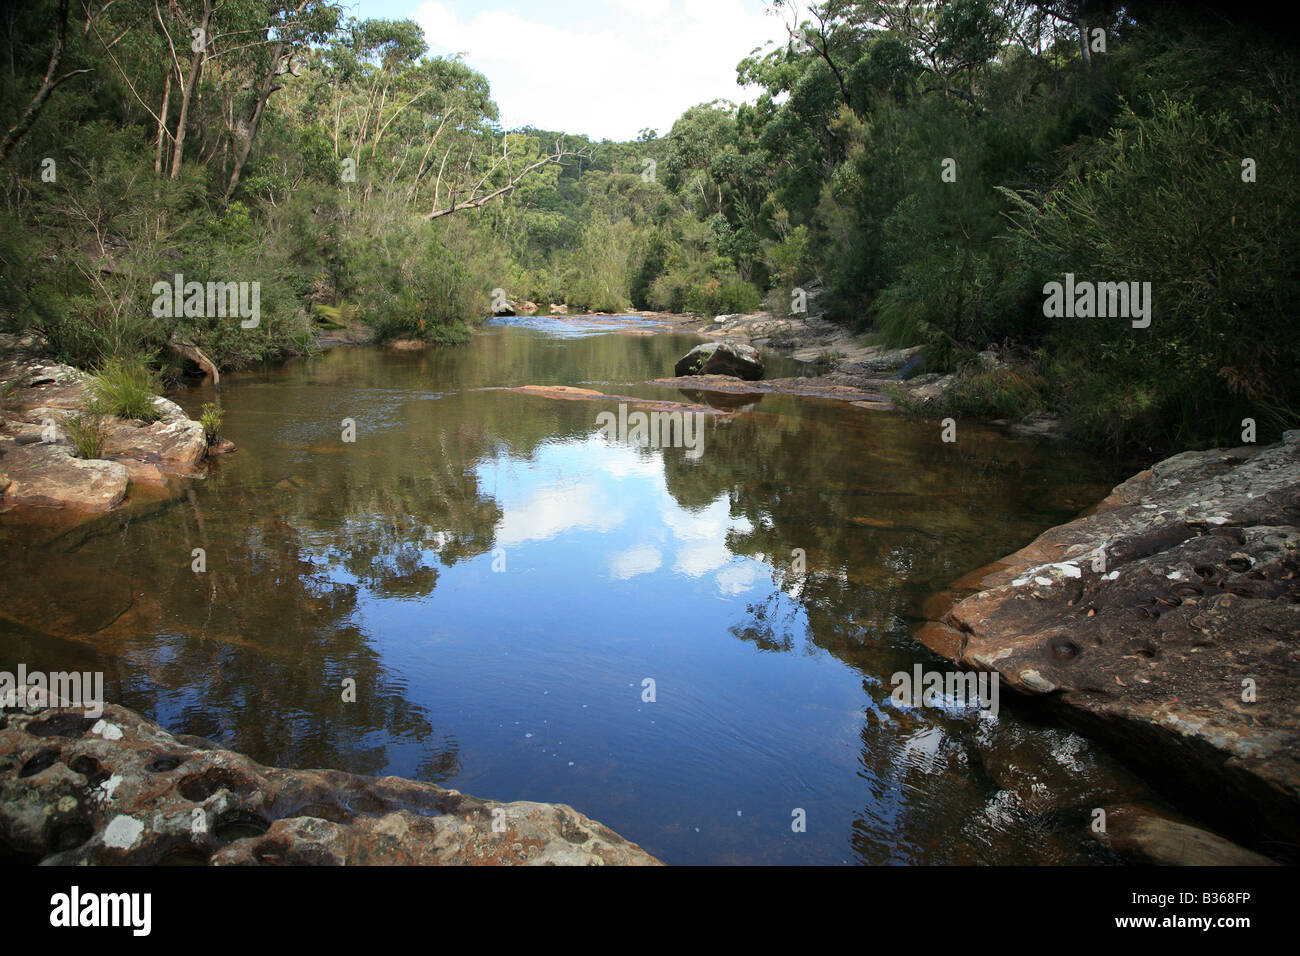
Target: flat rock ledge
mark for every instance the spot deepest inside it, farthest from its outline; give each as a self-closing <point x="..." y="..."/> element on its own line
<point x="1167" y="624"/>
<point x="119" y="789"/>
<point x="35" y="472"/>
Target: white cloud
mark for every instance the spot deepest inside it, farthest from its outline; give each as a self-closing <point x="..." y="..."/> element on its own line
<point x="649" y="61"/>
<point x="554" y="510"/>
<point x="630" y="563"/>
<point x="697" y="560"/>
<point x="736" y="579"/>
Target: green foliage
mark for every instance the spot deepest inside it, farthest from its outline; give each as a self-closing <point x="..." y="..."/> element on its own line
<point x="1222" y="344"/>
<point x="126" y="387"/>
<point x="87" y="429"/>
<point x="723" y="296"/>
<point x="211" y="419"/>
<point x="1123" y="169"/>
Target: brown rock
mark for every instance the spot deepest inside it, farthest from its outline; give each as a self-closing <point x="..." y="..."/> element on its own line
<point x="48" y="476"/>
<point x="117" y="788"/>
<point x="174" y="441"/>
<point x="1142" y="836"/>
<point x="1184" y="652"/>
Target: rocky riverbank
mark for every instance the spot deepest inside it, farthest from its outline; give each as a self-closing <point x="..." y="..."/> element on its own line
<point x="1165" y="623"/>
<point x="39" y="467"/>
<point x="843" y="366"/>
<point x="118" y="789"/>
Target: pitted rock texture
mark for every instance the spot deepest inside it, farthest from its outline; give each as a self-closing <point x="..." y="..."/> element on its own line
<point x="118" y="789"/>
<point x="1167" y="622"/>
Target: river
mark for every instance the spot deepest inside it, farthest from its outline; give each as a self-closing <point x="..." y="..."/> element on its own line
<point x="500" y="580"/>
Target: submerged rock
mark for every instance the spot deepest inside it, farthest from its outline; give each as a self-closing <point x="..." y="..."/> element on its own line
<point x="118" y="789"/>
<point x="1142" y="836"/>
<point x="722" y="358"/>
<point x="1167" y="623"/>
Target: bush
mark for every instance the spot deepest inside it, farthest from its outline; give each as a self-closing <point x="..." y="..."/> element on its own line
<point x="1223" y="343"/>
<point x="723" y="297"/>
<point x="87" y="430"/>
<point x="211" y="420"/>
<point x="126" y="388"/>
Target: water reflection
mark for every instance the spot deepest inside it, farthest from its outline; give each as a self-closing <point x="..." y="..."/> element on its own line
<point x="499" y="579"/>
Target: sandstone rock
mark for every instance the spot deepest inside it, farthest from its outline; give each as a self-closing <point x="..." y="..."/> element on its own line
<point x="48" y="476"/>
<point x="134" y="451"/>
<point x="174" y="441"/>
<point x="722" y="358"/>
<point x="1167" y="623"/>
<point x="928" y="389"/>
<point x="1142" y="836"/>
<point x="119" y="789"/>
<point x="140" y="472"/>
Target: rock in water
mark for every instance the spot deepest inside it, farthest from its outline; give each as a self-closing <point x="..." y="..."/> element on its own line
<point x="722" y="358"/>
<point x="48" y="476"/>
<point x="1167" y="623"/>
<point x="1145" y="837"/>
<point x="117" y="788"/>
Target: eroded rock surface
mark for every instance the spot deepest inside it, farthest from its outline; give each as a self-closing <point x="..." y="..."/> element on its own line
<point x="119" y="789"/>
<point x="1167" y="622"/>
<point x="38" y="460"/>
<point x="48" y="476"/>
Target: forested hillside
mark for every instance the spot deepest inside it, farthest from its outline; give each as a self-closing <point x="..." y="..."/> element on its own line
<point x="929" y="167"/>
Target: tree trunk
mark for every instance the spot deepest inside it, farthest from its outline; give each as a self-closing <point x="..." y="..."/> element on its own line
<point x="162" y="126"/>
<point x="19" y="129"/>
<point x="187" y="94"/>
<point x="268" y="87"/>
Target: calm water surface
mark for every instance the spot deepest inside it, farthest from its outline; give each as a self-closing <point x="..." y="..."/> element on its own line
<point x="499" y="580"/>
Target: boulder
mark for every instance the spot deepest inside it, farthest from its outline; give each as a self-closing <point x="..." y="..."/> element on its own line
<point x="722" y="358"/>
<point x="48" y="476"/>
<point x="173" y="441"/>
<point x="116" y="788"/>
<point x="1167" y="624"/>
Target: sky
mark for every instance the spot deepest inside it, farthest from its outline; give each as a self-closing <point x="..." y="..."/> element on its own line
<point x="606" y="68"/>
